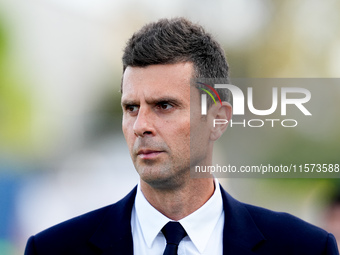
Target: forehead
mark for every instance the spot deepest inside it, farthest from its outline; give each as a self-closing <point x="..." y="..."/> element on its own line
<point x="157" y="80"/>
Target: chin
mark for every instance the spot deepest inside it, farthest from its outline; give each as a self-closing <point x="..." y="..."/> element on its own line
<point x="165" y="181"/>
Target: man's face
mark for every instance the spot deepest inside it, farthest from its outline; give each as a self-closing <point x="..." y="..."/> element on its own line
<point x="156" y="121"/>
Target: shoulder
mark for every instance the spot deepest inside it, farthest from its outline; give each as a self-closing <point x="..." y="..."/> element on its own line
<point x="291" y="233"/>
<point x="76" y="232"/>
<point x="271" y="221"/>
<point x="82" y="224"/>
<point x="66" y="236"/>
<point x="88" y="222"/>
<point x="277" y="232"/>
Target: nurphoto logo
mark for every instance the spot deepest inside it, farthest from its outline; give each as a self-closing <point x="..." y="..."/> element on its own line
<point x="281" y="97"/>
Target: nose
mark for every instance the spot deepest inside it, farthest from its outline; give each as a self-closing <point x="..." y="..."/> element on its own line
<point x="143" y="124"/>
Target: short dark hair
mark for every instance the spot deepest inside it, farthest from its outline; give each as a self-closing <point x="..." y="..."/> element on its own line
<point x="170" y="41"/>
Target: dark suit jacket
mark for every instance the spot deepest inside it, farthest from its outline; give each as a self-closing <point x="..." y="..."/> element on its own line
<point x="247" y="230"/>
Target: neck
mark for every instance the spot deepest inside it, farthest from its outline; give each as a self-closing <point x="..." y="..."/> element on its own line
<point x="179" y="203"/>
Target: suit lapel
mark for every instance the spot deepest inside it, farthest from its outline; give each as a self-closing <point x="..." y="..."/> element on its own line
<point x="240" y="233"/>
<point x="113" y="236"/>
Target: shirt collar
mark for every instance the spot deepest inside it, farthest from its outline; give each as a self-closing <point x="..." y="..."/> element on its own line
<point x="199" y="225"/>
<point x="151" y="220"/>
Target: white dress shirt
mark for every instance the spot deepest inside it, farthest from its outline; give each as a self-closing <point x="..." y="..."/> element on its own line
<point x="204" y="227"/>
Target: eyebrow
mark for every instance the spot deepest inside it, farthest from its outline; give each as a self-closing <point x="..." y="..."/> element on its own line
<point x="128" y="102"/>
<point x="172" y="100"/>
<point x="154" y="100"/>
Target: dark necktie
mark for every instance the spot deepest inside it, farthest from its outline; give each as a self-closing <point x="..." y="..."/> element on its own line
<point x="174" y="233"/>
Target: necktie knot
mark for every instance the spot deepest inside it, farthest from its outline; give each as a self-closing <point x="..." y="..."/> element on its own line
<point x="174" y="233"/>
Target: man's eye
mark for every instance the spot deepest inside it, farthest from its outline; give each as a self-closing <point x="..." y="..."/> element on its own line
<point x="164" y="105"/>
<point x="131" y="108"/>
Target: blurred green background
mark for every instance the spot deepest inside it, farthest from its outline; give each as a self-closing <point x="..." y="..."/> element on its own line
<point x="62" y="152"/>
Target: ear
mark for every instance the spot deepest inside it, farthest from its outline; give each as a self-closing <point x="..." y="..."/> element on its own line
<point x="221" y="116"/>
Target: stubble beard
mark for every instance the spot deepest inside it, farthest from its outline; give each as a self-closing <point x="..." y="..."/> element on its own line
<point x="164" y="175"/>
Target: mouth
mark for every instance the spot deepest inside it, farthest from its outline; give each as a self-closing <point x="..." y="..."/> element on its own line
<point x="149" y="154"/>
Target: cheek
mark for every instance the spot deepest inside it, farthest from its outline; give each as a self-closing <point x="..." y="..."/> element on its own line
<point x="176" y="134"/>
<point x="183" y="135"/>
<point x="200" y="131"/>
<point x="124" y="128"/>
<point x="182" y="128"/>
<point x="127" y="130"/>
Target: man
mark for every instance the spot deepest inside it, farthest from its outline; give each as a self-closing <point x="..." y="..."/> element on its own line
<point x="169" y="211"/>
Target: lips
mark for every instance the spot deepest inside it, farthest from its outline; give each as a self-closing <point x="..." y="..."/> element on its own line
<point x="148" y="153"/>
